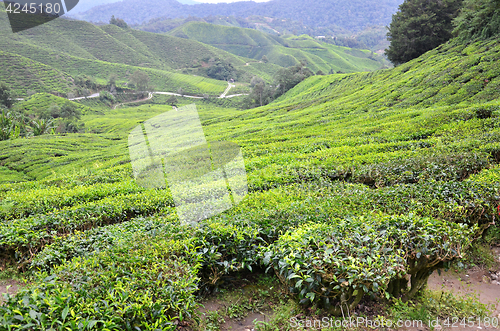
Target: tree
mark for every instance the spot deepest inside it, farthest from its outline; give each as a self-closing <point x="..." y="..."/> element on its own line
<point x="256" y="80"/>
<point x="172" y="100"/>
<point x="287" y="78"/>
<point x="419" y="26"/>
<point x="264" y="59"/>
<point x="261" y="95"/>
<point x="221" y="70"/>
<point x="41" y="126"/>
<point x="478" y="19"/>
<point x="112" y="81"/>
<point x="6" y="96"/>
<point x="140" y="80"/>
<point x="118" y="22"/>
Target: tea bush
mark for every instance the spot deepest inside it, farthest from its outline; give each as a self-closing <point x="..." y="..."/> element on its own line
<point x="339" y="262"/>
<point x="147" y="284"/>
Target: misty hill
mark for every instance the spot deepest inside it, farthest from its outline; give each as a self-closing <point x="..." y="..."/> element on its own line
<point x="353" y="15"/>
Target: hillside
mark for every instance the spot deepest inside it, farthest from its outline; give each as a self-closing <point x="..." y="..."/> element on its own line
<point x="64" y="48"/>
<point x="360" y="187"/>
<point x="344" y="14"/>
<point x="67" y="49"/>
<point x="372" y="37"/>
<point x="283" y="51"/>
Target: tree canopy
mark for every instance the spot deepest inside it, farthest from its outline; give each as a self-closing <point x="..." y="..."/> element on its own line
<point x="118" y="22"/>
<point x="140" y="80"/>
<point x="419" y="26"/>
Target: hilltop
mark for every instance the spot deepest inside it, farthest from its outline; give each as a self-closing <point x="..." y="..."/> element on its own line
<point x="344" y="14"/>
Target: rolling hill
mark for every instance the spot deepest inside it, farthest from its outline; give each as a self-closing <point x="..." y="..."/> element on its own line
<point x="360" y="186"/>
<point x="66" y="49"/>
<point x="283" y="51"/>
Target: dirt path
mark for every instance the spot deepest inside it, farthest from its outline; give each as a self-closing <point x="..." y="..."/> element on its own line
<point x="485" y="284"/>
<point x="150" y="96"/>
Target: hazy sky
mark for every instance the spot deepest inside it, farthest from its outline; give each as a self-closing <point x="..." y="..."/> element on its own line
<point x="217" y="1"/>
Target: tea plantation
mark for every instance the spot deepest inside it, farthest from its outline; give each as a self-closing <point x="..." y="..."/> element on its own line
<point x="360" y="186"/>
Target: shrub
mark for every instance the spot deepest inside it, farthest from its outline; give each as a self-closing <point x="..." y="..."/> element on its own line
<point x="335" y="264"/>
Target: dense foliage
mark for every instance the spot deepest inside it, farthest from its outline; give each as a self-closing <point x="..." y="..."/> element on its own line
<point x="118" y="22"/>
<point x="478" y="19"/>
<point x="5" y="95"/>
<point x="419" y="26"/>
<point x="284" y="80"/>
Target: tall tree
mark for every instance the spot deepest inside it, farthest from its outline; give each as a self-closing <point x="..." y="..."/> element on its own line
<point x="419" y="26"/>
<point x="287" y="78"/>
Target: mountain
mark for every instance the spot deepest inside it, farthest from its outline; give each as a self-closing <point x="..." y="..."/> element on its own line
<point x="352" y="15"/>
<point x="283" y="51"/>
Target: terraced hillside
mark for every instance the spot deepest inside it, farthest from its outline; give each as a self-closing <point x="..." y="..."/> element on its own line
<point x="357" y="183"/>
<point x="283" y="51"/>
<point x="49" y="57"/>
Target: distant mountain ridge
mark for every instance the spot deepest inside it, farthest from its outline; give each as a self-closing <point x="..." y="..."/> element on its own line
<point x="353" y="15"/>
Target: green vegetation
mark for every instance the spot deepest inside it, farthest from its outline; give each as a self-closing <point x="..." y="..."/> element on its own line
<point x="478" y="19"/>
<point x="420" y="26"/>
<point x="284" y="80"/>
<point x="5" y="96"/>
<point x="373" y="37"/>
<point x="357" y="182"/>
<point x="282" y="51"/>
<point x="72" y="58"/>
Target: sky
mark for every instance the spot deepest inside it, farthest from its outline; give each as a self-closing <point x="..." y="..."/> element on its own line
<point x="218" y="1"/>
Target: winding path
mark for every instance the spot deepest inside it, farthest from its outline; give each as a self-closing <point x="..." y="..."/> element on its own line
<point x="222" y="96"/>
